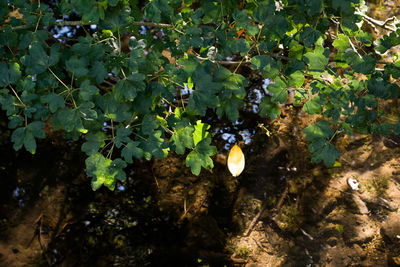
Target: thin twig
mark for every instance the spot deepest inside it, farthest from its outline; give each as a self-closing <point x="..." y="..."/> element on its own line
<point x="224" y="62"/>
<point x="263" y="207"/>
<point x="354" y="48"/>
<point x="280" y="202"/>
<point x="255" y="220"/>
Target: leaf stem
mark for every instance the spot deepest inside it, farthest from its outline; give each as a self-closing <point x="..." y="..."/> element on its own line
<point x="22" y="103"/>
<point x="17" y="96"/>
<point x="337" y="131"/>
<point x="68" y="89"/>
<point x="40" y="17"/>
<point x="59" y="79"/>
<point x="138" y="135"/>
<point x="113" y="140"/>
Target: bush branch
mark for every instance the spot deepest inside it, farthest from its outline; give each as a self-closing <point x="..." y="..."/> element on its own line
<point x="382" y="24"/>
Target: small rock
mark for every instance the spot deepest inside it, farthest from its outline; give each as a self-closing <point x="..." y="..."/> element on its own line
<point x="391" y="228"/>
<point x="353" y="183"/>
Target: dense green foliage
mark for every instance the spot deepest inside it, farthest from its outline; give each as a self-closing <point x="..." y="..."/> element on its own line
<point x="128" y="100"/>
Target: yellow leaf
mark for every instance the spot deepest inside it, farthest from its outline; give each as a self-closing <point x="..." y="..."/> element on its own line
<point x="396" y="260"/>
<point x="236" y="161"/>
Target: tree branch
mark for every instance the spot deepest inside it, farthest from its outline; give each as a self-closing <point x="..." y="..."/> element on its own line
<point x="379" y="23"/>
<point x="230" y="62"/>
<point x="80" y="23"/>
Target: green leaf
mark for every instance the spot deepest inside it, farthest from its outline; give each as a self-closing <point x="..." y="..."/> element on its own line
<point x="269" y="108"/>
<point x="296" y="79"/>
<point x="318" y="130"/>
<point x="364" y="65"/>
<point x="29" y="142"/>
<point x="342" y="5"/>
<point x="231" y="108"/>
<point x="112" y="2"/>
<point x="8" y="37"/>
<point x="54" y="55"/>
<point x="386" y="42"/>
<point x="309" y="36"/>
<point x="365" y="37"/>
<point x="349" y="23"/>
<point x="126" y="89"/>
<point x="265" y="63"/>
<point x="117" y="166"/>
<point x="88" y="9"/>
<point x="94" y="141"/>
<point x="182" y="139"/>
<point x="48" y="19"/>
<point x="238" y="46"/>
<point x="190" y="83"/>
<point x="317" y="60"/>
<point x="9" y="103"/>
<point x="385" y="129"/>
<point x="323" y="151"/>
<point x="36" y="128"/>
<point x="87" y="111"/>
<point x="117" y="18"/>
<point x="200" y="132"/>
<point x="152" y="12"/>
<point x="314" y="105"/>
<point x="36" y="61"/>
<point x="190" y="64"/>
<point x="310" y="7"/>
<point x="9" y="73"/>
<point x="242" y="20"/>
<point x="154" y="146"/>
<point x="299" y="95"/>
<point x="55" y="101"/>
<point x="15" y="121"/>
<point x="98" y="71"/>
<point x="114" y="110"/>
<point x="149" y="124"/>
<point x="342" y="43"/>
<point x="78" y="66"/>
<point x="87" y="91"/>
<point x="68" y="120"/>
<point x="264" y="11"/>
<point x="231" y="81"/>
<point x="205" y="94"/>
<point x="99" y="168"/>
<point x="18" y="137"/>
<point x="382" y="89"/>
<point x="279" y="91"/>
<point x="131" y="150"/>
<point x="122" y="136"/>
<point x="26" y="136"/>
<point x="200" y="156"/>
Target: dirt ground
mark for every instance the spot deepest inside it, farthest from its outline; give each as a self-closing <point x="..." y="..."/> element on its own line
<point x="323" y="221"/>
